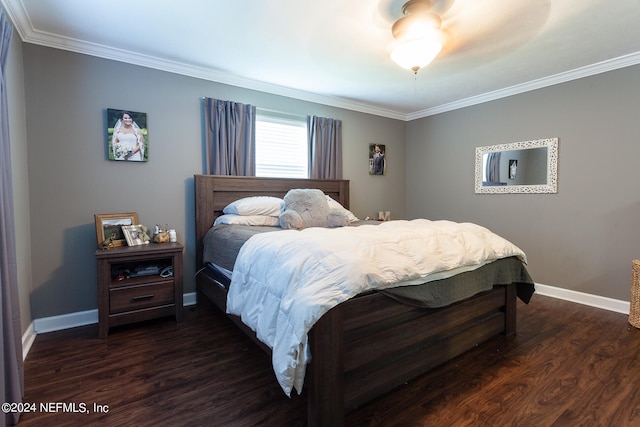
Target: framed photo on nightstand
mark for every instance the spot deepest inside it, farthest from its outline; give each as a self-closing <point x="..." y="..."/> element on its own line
<point x="109" y="227"/>
<point x="135" y="235"/>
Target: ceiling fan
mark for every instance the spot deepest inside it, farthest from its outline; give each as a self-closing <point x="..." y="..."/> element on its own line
<point x="428" y="28"/>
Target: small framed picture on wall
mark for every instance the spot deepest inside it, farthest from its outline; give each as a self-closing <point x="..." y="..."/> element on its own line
<point x="513" y="169"/>
<point x="377" y="159"/>
<point x="127" y="136"/>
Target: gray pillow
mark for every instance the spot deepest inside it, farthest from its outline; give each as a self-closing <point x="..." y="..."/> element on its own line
<point x="304" y="208"/>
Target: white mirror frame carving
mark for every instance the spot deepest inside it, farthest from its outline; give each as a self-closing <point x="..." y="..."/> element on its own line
<point x="552" y="167"/>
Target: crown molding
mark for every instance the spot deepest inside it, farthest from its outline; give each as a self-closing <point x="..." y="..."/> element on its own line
<point x="578" y="73"/>
<point x="16" y="11"/>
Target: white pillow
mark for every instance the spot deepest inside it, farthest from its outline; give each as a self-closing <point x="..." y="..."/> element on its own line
<point x="255" y="205"/>
<point x="336" y="206"/>
<point x="270" y="221"/>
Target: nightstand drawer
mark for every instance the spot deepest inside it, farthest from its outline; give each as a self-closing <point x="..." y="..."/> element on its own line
<point x="136" y="297"/>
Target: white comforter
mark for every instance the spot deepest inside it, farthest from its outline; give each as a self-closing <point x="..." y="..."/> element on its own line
<point x="283" y="282"/>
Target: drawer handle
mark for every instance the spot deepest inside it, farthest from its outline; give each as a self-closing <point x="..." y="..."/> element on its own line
<point x="142" y="298"/>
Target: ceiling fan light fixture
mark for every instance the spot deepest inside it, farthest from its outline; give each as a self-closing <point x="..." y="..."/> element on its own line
<point x="418" y="36"/>
<point x="415" y="54"/>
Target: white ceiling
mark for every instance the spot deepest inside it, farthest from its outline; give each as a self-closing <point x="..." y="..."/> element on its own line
<point x="337" y="51"/>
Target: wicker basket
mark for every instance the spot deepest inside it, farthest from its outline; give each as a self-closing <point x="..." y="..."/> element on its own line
<point x="634" y="310"/>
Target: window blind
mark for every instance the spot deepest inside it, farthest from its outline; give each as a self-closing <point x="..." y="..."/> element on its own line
<point x="281" y="147"/>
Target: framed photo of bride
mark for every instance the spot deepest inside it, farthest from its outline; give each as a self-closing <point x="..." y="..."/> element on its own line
<point x="127" y="136"/>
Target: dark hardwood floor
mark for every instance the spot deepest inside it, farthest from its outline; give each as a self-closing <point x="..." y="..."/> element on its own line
<point x="569" y="365"/>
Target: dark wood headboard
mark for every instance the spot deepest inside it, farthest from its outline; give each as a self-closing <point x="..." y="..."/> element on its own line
<point x="214" y="192"/>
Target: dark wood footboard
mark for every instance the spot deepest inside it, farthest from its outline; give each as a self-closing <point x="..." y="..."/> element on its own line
<point x="370" y="345"/>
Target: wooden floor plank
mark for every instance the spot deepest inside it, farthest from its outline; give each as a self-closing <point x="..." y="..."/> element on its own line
<point x="568" y="365"/>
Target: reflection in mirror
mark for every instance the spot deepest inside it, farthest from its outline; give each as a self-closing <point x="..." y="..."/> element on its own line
<point x="519" y="167"/>
<point x="515" y="167"/>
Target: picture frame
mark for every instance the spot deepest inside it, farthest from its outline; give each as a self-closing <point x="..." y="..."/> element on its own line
<point x="513" y="168"/>
<point x="127" y="135"/>
<point x="377" y="159"/>
<point x="135" y="234"/>
<point x="109" y="227"/>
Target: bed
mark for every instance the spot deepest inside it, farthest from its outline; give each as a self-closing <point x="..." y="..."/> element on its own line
<point x="369" y="344"/>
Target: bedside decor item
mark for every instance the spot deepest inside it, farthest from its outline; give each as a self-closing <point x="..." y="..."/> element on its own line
<point x="136" y="234"/>
<point x="109" y="228"/>
<point x="160" y="235"/>
<point x="127" y="135"/>
<point x="108" y="243"/>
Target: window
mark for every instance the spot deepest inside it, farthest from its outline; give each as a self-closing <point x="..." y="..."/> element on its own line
<point x="281" y="147"/>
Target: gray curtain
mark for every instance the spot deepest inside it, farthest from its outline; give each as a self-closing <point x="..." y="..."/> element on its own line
<point x="325" y="147"/>
<point x="13" y="373"/>
<point x="230" y="136"/>
<point x="493" y="167"/>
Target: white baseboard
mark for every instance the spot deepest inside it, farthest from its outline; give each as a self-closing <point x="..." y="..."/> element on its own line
<point x="605" y="303"/>
<point x="82" y="318"/>
<point x="65" y="321"/>
<point x="71" y="320"/>
<point x="189" y="299"/>
<point x="28" y="338"/>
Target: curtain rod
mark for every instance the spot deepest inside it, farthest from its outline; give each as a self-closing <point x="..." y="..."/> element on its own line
<point x="283" y="113"/>
<point x="267" y="110"/>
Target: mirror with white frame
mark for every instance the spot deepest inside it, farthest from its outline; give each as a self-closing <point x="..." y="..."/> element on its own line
<point x="518" y="167"/>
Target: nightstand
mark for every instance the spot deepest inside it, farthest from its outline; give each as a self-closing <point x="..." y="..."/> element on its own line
<point x="135" y="283"/>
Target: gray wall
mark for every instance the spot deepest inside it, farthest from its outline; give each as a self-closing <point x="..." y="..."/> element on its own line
<point x="70" y="179"/>
<point x="20" y="174"/>
<point x="584" y="237"/>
